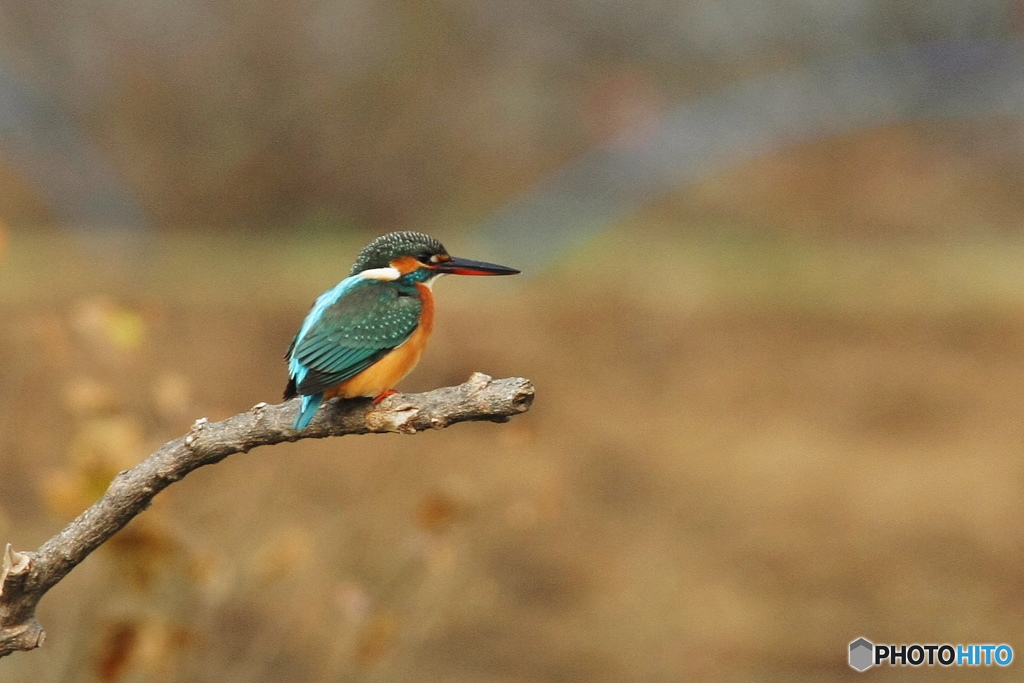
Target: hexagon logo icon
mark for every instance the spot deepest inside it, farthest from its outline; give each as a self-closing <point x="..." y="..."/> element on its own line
<point x="862" y="653"/>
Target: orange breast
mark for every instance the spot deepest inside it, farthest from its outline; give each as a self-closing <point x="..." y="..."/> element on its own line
<point x="389" y="370"/>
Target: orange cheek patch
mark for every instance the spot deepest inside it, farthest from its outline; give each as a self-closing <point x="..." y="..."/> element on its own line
<point x="406" y="264"/>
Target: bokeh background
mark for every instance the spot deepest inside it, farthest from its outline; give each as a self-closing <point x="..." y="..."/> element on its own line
<point x="772" y="302"/>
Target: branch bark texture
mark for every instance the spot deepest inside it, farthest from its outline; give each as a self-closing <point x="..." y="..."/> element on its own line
<point x="26" y="576"/>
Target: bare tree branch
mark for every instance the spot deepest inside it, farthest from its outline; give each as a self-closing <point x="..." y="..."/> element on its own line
<point x="26" y="576"/>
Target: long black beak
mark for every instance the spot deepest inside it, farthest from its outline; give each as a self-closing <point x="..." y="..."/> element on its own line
<point x="462" y="266"/>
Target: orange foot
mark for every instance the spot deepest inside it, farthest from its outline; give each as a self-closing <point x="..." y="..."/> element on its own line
<point x="383" y="395"/>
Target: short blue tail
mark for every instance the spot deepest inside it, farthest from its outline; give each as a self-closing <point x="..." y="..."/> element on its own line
<point x="307" y="410"/>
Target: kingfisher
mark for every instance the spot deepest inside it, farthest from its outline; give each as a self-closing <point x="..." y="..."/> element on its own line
<point x="368" y="332"/>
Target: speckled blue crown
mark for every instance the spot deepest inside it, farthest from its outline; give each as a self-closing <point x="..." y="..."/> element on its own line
<point x="386" y="248"/>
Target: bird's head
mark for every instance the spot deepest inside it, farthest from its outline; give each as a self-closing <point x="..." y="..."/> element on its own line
<point x="415" y="257"/>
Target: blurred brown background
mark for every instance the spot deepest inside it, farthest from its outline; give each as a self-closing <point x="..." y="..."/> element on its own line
<point x="780" y="368"/>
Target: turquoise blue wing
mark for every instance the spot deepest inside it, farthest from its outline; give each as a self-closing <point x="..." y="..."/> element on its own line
<point x="342" y="337"/>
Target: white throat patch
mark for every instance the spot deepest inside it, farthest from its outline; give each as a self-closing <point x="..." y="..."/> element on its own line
<point x="430" y="283"/>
